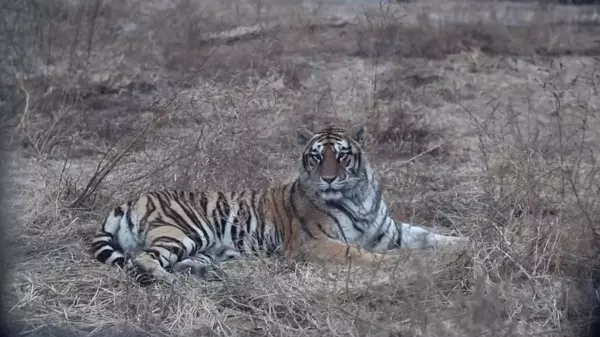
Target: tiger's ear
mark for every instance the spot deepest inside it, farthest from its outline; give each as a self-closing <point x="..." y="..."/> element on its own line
<point x="304" y="135"/>
<point x="357" y="133"/>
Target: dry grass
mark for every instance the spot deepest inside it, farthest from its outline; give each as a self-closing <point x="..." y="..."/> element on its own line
<point x="476" y="126"/>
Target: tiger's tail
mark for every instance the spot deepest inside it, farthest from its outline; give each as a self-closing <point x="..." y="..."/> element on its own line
<point x="105" y="246"/>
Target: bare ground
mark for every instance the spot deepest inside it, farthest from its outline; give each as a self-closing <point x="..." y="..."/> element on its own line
<point x="482" y="121"/>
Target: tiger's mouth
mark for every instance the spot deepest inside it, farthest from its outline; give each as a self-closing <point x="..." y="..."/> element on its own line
<point x="331" y="194"/>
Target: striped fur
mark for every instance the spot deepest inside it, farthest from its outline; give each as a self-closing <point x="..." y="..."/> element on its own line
<point x="333" y="211"/>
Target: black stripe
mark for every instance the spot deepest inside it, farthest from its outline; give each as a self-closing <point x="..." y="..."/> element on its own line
<point x="238" y="240"/>
<point x="210" y="259"/>
<point x="274" y="246"/>
<point x="192" y="233"/>
<point x="285" y="199"/>
<point x="242" y="221"/>
<point x="349" y="213"/>
<point x="96" y="246"/>
<point x="234" y="230"/>
<point x="204" y="202"/>
<point x="204" y="222"/>
<point x="320" y="138"/>
<point x="248" y="217"/>
<point x="105" y="255"/>
<point x="370" y="213"/>
<point x="178" y="250"/>
<point x="224" y="211"/>
<point x="118" y="212"/>
<point x="260" y="219"/>
<point x="387" y="228"/>
<point x="205" y="228"/>
<point x="150" y="208"/>
<point x="377" y="206"/>
<point x="171" y="213"/>
<point x="155" y="254"/>
<point x="324" y="231"/>
<point x="378" y="240"/>
<point x="357" y="161"/>
<point x="179" y="221"/>
<point x="305" y="161"/>
<point x="119" y="261"/>
<point x="216" y="223"/>
<point x="128" y="215"/>
<point x="163" y="195"/>
<point x="331" y="138"/>
<point x="253" y="209"/>
<point x="170" y="239"/>
<point x="337" y="223"/>
<point x="399" y="237"/>
<point x="104" y="235"/>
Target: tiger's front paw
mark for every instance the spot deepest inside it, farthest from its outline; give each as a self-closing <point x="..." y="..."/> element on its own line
<point x="456" y="242"/>
<point x="444" y="242"/>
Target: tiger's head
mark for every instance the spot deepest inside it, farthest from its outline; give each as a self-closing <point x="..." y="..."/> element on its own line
<point x="333" y="165"/>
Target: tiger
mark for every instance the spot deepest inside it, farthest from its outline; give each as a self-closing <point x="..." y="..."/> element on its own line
<point x="333" y="211"/>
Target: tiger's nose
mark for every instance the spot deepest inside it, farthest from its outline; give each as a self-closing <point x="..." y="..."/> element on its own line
<point x="328" y="179"/>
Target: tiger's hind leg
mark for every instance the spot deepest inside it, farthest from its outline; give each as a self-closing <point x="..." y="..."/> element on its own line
<point x="168" y="250"/>
<point x="165" y="247"/>
<point x="146" y="268"/>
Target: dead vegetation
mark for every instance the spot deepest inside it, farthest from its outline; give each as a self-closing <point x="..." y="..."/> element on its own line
<point x="476" y="127"/>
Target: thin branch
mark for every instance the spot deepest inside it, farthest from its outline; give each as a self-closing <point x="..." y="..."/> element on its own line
<point x="25" y="113"/>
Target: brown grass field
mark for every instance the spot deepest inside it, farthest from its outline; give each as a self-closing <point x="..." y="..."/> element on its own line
<point x="482" y="119"/>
